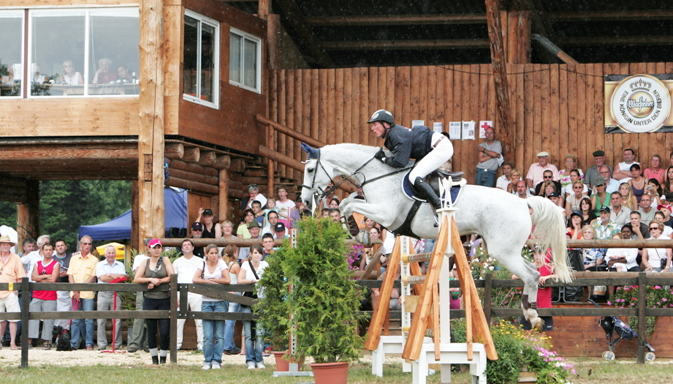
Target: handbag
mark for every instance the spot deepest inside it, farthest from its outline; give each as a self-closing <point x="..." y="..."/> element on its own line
<point x="247" y="293"/>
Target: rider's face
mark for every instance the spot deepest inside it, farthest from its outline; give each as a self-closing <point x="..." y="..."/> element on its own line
<point x="378" y="128"/>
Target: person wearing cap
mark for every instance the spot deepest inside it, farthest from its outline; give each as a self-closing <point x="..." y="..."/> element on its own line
<point x="107" y="271"/>
<point x="599" y="198"/>
<point x="593" y="173"/>
<point x="254" y="230"/>
<point x="536" y="170"/>
<point x="280" y="232"/>
<point x="11" y="271"/>
<point x="666" y="210"/>
<point x="210" y="230"/>
<point x="645" y="209"/>
<point x="556" y="199"/>
<point x="197" y="233"/>
<point x="619" y="214"/>
<point x="623" y="170"/>
<point x="490" y="158"/>
<point x="604" y="228"/>
<point x="82" y="270"/>
<point x="186" y="266"/>
<point x="157" y="270"/>
<point x="430" y="149"/>
<point x="575" y="225"/>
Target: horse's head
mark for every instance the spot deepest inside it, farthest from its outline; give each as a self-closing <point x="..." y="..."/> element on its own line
<point x="317" y="175"/>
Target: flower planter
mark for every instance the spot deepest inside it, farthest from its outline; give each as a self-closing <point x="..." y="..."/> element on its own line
<point x="283" y="365"/>
<point x="526" y="377"/>
<point x="330" y="373"/>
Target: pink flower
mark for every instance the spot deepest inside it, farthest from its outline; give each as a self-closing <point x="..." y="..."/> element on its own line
<point x="632" y="304"/>
<point x="633" y="299"/>
<point x="664" y="299"/>
<point x="609" y="303"/>
<point x="657" y="287"/>
<point x="618" y="288"/>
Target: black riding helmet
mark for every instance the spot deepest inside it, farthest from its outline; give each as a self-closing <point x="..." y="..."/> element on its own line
<point x="383" y="116"/>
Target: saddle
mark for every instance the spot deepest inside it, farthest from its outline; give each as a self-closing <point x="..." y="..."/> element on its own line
<point x="433" y="181"/>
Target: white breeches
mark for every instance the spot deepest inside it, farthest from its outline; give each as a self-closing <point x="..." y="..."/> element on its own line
<point x="433" y="160"/>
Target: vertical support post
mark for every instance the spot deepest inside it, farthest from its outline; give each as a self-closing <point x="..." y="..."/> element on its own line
<point x="25" y="316"/>
<point x="174" y="319"/>
<point x="151" y="132"/>
<point x="271" y="173"/>
<point x="136" y="241"/>
<point x="263" y="8"/>
<point x="224" y="195"/>
<point x="273" y="40"/>
<point x="488" y="291"/>
<point x="28" y="214"/>
<point x="642" y="320"/>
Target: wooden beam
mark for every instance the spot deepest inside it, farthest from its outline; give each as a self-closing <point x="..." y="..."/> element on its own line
<point x="540" y="24"/>
<point x="53" y="153"/>
<point x="649" y="243"/>
<point x="500" y="78"/>
<point x="279" y="157"/>
<point x="290" y="132"/>
<point x="608" y="15"/>
<point x="615" y="40"/>
<point x="273" y="29"/>
<point x="135" y="238"/>
<point x="222" y="162"/>
<point x="210" y="189"/>
<point x="151" y="130"/>
<point x="405" y="44"/>
<point x="192" y="155"/>
<point x="207" y="158"/>
<point x="224" y="195"/>
<point x="237" y="165"/>
<point x="174" y="151"/>
<point x="191" y="167"/>
<point x="28" y="214"/>
<point x="369" y="20"/>
<point x="263" y="8"/>
<point x="172" y="172"/>
<point x="14" y="182"/>
<point x="307" y="42"/>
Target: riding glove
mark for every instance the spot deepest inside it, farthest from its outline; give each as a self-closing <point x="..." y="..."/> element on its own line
<point x="380" y="155"/>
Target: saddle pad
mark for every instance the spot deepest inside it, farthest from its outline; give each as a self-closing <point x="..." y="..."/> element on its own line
<point x="409" y="192"/>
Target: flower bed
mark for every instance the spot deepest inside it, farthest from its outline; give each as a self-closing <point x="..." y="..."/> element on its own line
<point x="657" y="297"/>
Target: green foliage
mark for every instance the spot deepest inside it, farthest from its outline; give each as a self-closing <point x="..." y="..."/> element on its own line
<point x="657" y="297"/>
<point x="272" y="309"/>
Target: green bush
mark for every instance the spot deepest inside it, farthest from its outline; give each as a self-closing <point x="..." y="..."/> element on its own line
<point x="272" y="309"/>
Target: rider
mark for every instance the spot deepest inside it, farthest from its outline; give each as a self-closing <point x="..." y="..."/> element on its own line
<point x="430" y="149"/>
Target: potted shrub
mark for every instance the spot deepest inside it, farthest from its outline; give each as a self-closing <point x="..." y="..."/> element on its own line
<point x="324" y="300"/>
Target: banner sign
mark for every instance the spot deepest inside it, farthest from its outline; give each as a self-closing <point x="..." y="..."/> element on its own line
<point x="638" y="103"/>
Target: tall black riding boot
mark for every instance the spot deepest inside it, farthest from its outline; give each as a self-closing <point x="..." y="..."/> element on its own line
<point x="426" y="191"/>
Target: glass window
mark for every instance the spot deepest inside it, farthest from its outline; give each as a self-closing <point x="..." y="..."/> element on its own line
<point x="201" y="59"/>
<point x="11" y="63"/>
<point x="80" y="52"/>
<point x="244" y="60"/>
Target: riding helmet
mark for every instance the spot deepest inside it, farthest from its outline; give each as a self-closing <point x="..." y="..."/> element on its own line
<point x="382" y="115"/>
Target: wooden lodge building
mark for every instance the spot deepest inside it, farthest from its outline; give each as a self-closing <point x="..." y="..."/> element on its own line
<point x="211" y="96"/>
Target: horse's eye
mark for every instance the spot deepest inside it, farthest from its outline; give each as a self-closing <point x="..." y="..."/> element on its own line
<point x="309" y="170"/>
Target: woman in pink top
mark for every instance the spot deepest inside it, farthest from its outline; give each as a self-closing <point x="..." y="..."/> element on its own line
<point x="654" y="172"/>
<point x="45" y="271"/>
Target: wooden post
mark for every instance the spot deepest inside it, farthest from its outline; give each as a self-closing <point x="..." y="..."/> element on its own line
<point x="264" y="8"/>
<point x="224" y="195"/>
<point x="174" y="319"/>
<point x="28" y="214"/>
<point x="273" y="40"/>
<point x="25" y="316"/>
<point x="151" y="132"/>
<point x="271" y="143"/>
<point x="499" y="77"/>
<point x="642" y="320"/>
<point x="135" y="238"/>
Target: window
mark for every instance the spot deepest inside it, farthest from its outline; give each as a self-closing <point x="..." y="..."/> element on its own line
<point x="244" y="63"/>
<point x="201" y="59"/>
<point x="82" y="52"/>
<point x="11" y="53"/>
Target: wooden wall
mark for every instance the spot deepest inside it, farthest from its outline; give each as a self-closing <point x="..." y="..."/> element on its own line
<point x="554" y="108"/>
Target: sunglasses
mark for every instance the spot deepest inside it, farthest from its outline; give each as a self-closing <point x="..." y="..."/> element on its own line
<point x="578" y="187"/>
<point x="548" y="177"/>
<point x="653" y="228"/>
<point x="86" y="243"/>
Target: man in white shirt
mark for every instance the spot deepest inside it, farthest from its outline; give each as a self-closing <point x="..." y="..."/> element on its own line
<point x="107" y="271"/>
<point x="521" y="190"/>
<point x="272" y="221"/>
<point x="623" y="174"/>
<point x="29" y="260"/>
<point x="185" y="267"/>
<point x="612" y="184"/>
<point x="504" y="180"/>
<point x="139" y="334"/>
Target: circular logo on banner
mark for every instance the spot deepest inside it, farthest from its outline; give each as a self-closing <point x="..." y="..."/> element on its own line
<point x="640" y="104"/>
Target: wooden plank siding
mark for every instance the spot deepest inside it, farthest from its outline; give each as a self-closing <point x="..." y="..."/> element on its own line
<point x="555" y="108"/>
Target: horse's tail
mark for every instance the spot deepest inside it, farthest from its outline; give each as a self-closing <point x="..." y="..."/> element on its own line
<point x="549" y="231"/>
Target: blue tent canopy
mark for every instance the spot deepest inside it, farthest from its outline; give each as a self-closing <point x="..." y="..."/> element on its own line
<point x="119" y="228"/>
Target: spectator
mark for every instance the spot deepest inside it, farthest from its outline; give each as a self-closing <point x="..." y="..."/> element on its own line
<point x="542" y="260"/>
<point x="242" y="230"/>
<point x="29" y="259"/>
<point x="515" y="177"/>
<point x="575" y="225"/>
<point x="655" y="192"/>
<point x="273" y="220"/>
<point x="70" y="76"/>
<point x="104" y="74"/>
<point x="62" y="297"/>
<point x="612" y="184"/>
<point x="574" y="177"/>
<point x="268" y="243"/>
<point x="640" y="230"/>
<point x="271" y="207"/>
<point x="599" y="198"/>
<point x="138" y="338"/>
<point x="82" y="270"/>
<point x="593" y="174"/>
<point x="334" y="203"/>
<point x="368" y="253"/>
<point x="556" y="199"/>
<point x="284" y="205"/>
<point x="646" y="211"/>
<point x="230" y="256"/>
<point x="334" y="214"/>
<point x="257" y="211"/>
<point x="654" y="172"/>
<point x="186" y="266"/>
<point x="155" y="271"/>
<point x="619" y="214"/>
<point x="573" y="200"/>
<point x="504" y="180"/>
<point x="593" y="257"/>
<point x="623" y="173"/>
<point x="587" y="211"/>
<point x="253" y="192"/>
<point x="670" y="164"/>
<point x="490" y="157"/>
<point x="12" y="272"/>
<point x="667" y="230"/>
<point x="45" y="271"/>
<point x="300" y="212"/>
<point x="603" y="227"/>
<point x="521" y="190"/>
<point x="536" y="170"/>
<point x="107" y="271"/>
<point x="666" y="211"/>
<point x="622" y="259"/>
<point x="548" y="179"/>
<point x="227" y="230"/>
<point x="668" y="185"/>
<point x="124" y="74"/>
<point x="280" y="232"/>
<point x="197" y="233"/>
<point x="254" y="230"/>
<point x="657" y="259"/>
<point x="251" y="271"/>
<point x="325" y="212"/>
<point x="210" y="230"/>
<point x="29" y="245"/>
<point x="628" y="198"/>
<point x="637" y="182"/>
<point x="213" y="271"/>
<point x="570" y="165"/>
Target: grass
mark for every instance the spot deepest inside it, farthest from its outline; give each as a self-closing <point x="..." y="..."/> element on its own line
<point x="589" y="371"/>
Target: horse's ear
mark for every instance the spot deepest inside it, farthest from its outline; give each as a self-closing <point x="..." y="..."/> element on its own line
<point x="310" y="151"/>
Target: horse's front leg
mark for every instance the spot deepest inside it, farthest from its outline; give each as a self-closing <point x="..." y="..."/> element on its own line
<point x="376" y="212"/>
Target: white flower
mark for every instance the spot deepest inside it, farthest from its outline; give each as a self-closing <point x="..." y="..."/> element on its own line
<point x="491" y="267"/>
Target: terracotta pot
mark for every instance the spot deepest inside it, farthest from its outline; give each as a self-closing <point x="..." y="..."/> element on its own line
<point x="283" y="365"/>
<point x="330" y="373"/>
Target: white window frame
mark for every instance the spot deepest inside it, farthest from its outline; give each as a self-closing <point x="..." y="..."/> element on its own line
<point x="258" y="70"/>
<point x="23" y="53"/>
<point x="215" y="104"/>
<point x="85" y="73"/>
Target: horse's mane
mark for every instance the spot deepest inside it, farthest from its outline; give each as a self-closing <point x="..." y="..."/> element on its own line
<point x="353" y="147"/>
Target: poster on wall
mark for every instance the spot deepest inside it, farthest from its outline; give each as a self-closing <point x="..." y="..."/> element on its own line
<point x="638" y="103"/>
<point x="468" y="130"/>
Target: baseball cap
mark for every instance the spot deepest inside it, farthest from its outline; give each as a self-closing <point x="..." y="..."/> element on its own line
<point x="600" y="181"/>
<point x="576" y="213"/>
<point x="664" y="206"/>
<point x="253" y="224"/>
<point x="197" y="226"/>
<point x="279" y="227"/>
<point x="208" y="212"/>
<point x="553" y="194"/>
<point x="604" y="209"/>
<point x="154" y="242"/>
<point x="541" y="154"/>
